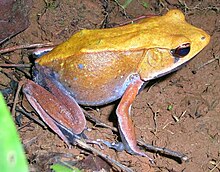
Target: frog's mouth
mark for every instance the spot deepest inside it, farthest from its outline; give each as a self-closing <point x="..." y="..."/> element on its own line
<point x="177" y="65"/>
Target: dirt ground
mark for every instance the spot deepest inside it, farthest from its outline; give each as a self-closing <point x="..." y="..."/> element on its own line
<point x="179" y="111"/>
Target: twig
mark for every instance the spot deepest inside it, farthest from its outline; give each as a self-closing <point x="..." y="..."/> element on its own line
<point x="105" y="5"/>
<point x="137" y="19"/>
<point x="216" y="166"/>
<point x="9" y="64"/>
<point x="6" y="50"/>
<point x="28" y="143"/>
<point x="98" y="122"/>
<point x="14" y="107"/>
<point x="154" y="117"/>
<point x="164" y="151"/>
<point x="19" y="108"/>
<point x="108" y="158"/>
<point x="121" y="6"/>
<point x="206" y="63"/>
<point x="16" y="98"/>
<point x="16" y="65"/>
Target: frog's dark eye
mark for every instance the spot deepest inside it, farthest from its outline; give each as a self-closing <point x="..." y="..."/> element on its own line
<point x="181" y="51"/>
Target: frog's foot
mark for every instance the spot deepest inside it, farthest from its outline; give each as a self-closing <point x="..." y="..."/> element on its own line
<point x="119" y="146"/>
<point x="88" y="141"/>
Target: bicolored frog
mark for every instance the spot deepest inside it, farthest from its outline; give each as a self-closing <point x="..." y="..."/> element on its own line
<point x="97" y="67"/>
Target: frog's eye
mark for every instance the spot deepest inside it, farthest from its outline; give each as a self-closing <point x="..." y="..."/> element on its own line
<point x="181" y="51"/>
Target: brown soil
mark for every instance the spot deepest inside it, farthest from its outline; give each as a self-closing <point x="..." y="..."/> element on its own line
<point x="191" y="126"/>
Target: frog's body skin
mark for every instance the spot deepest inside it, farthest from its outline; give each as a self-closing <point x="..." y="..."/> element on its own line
<point x="96" y="67"/>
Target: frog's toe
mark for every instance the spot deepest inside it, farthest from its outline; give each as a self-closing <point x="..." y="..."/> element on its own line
<point x="136" y="151"/>
<point x="119" y="146"/>
<point x="94" y="142"/>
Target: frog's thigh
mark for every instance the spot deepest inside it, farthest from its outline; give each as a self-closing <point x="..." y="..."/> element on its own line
<point x="38" y="98"/>
<point x="71" y="115"/>
<point x="124" y="118"/>
<point x="57" y="110"/>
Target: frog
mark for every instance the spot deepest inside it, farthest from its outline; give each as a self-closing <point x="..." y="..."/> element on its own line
<point x="97" y="67"/>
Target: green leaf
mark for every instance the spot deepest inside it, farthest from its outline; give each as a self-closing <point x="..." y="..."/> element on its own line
<point x="144" y="4"/>
<point x="12" y="157"/>
<point x="170" y="107"/>
<point x="127" y="2"/>
<point x="63" y="168"/>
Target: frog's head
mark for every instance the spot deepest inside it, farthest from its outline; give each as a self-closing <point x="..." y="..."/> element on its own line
<point x="174" y="43"/>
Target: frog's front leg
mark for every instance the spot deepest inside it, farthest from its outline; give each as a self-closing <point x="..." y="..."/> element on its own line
<point x="126" y="126"/>
<point x="59" y="111"/>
